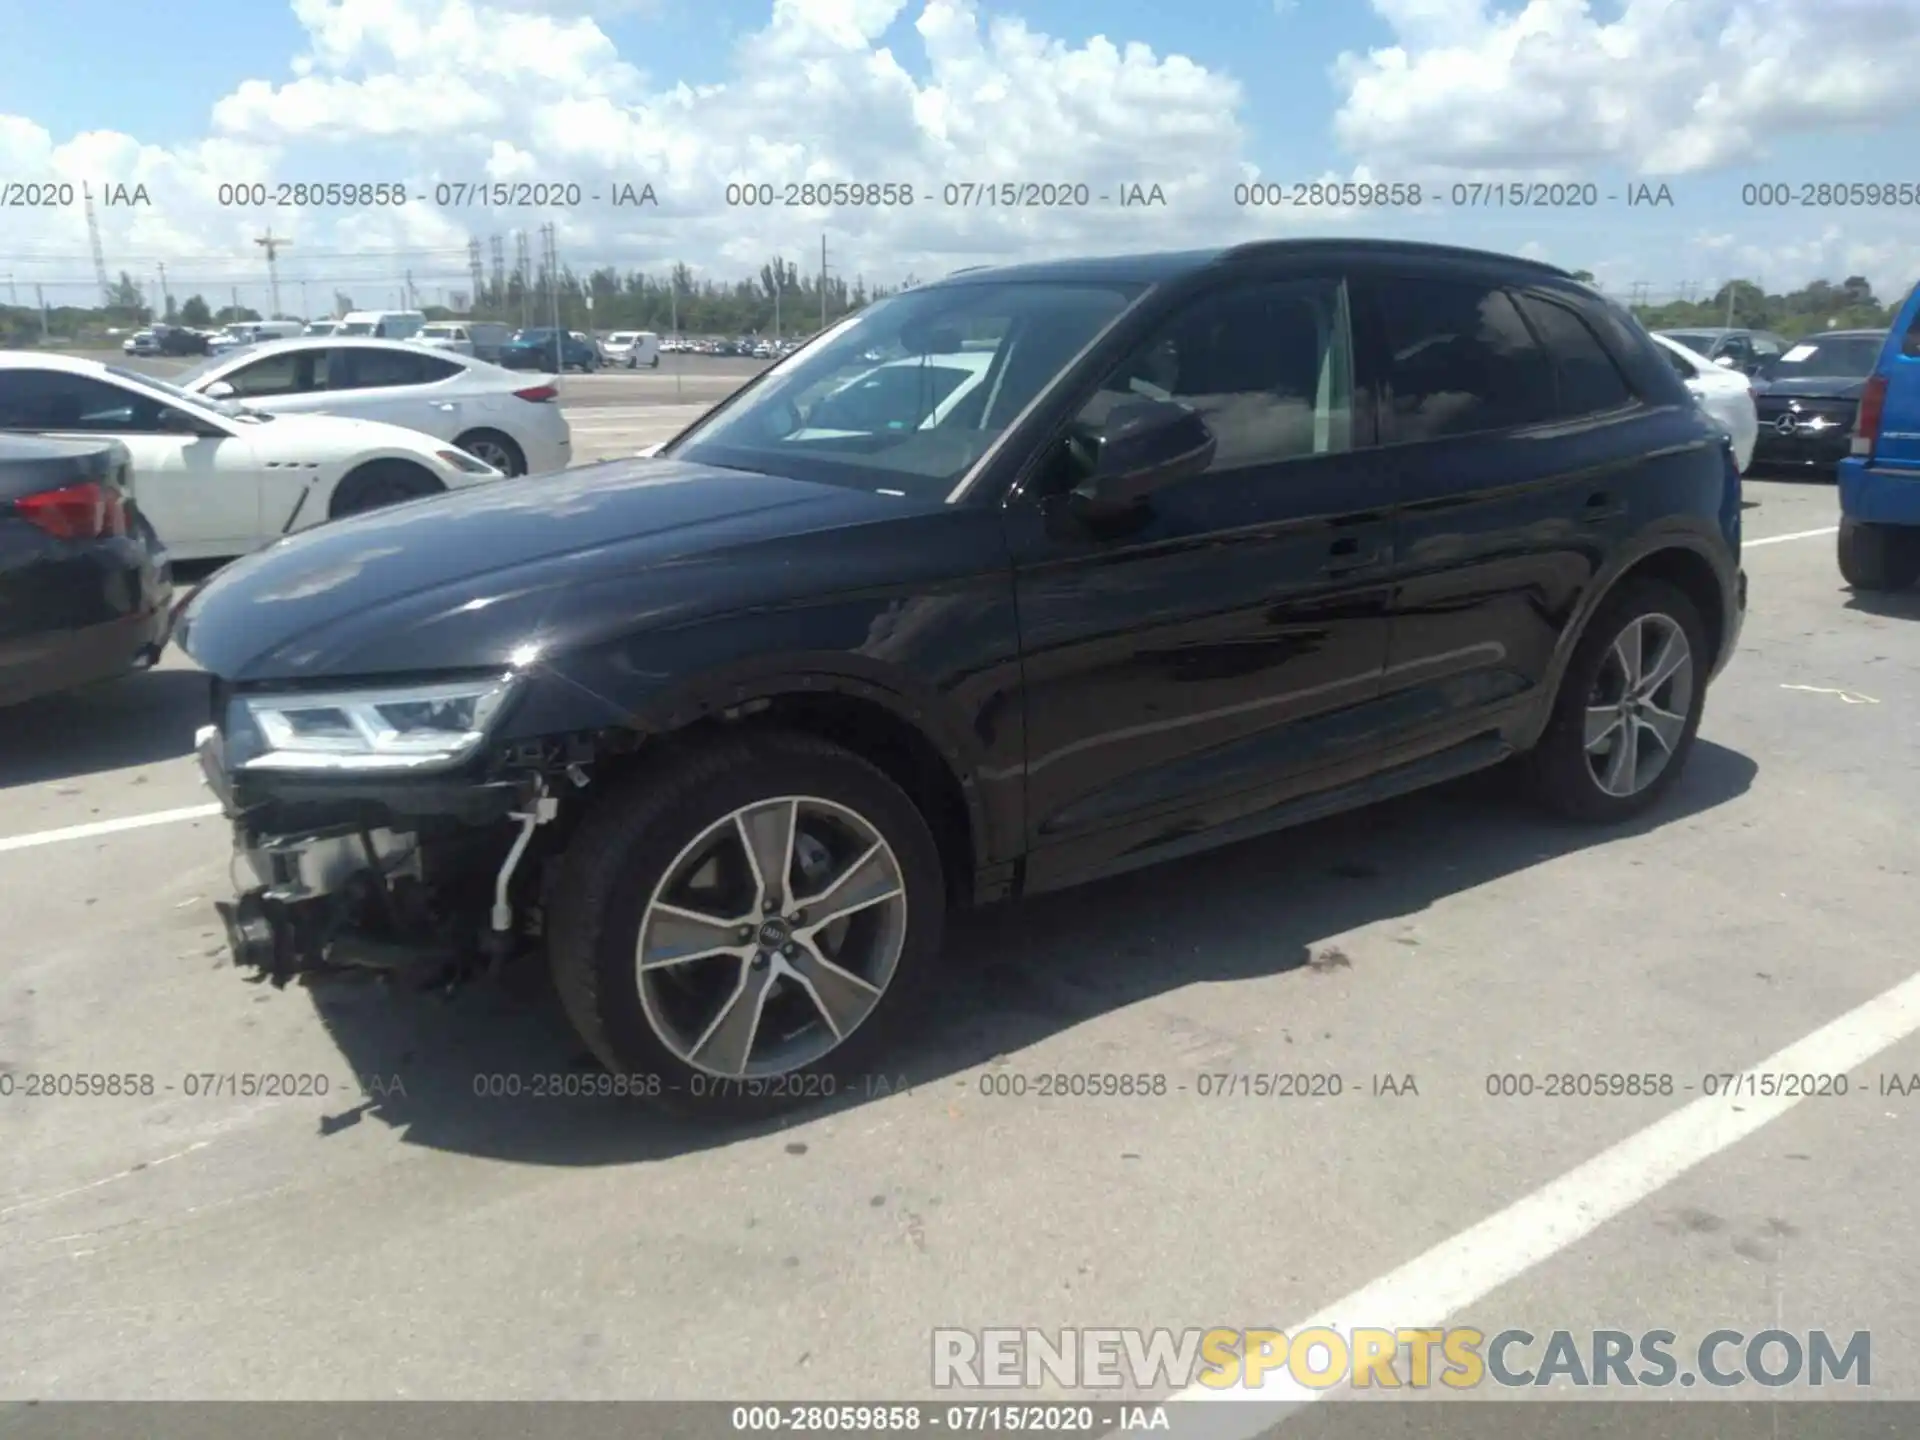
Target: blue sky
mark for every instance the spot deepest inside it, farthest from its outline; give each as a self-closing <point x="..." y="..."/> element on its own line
<point x="1443" y="92"/>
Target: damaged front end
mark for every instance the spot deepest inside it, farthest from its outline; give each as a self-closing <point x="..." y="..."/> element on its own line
<point x="371" y="832"/>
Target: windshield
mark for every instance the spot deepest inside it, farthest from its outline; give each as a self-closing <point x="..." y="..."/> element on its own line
<point x="440" y="332"/>
<point x="189" y="399"/>
<point x="358" y="327"/>
<point x="534" y="335"/>
<point x="1850" y="356"/>
<point x="195" y="373"/>
<point x="906" y="396"/>
<point x="1701" y="345"/>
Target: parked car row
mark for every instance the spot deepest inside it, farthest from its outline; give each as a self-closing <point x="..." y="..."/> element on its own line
<point x="1805" y="393"/>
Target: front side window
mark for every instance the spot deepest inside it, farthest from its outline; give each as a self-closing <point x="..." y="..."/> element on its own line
<point x="1266" y="365"/>
<point x="280" y="374"/>
<point x="909" y="394"/>
<point x="1462" y="361"/>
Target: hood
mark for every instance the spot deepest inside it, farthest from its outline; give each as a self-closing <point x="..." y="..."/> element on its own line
<point x="1813" y="387"/>
<point x="465" y="579"/>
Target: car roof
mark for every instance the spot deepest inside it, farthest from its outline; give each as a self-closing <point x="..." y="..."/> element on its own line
<point x="1159" y="266"/>
<point x="1817" y="336"/>
<point x="334" y="342"/>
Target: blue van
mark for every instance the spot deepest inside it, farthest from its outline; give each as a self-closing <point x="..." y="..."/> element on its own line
<point x="1880" y="480"/>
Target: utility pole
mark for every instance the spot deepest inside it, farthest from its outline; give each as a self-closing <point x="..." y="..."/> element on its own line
<point x="13" y="293"/>
<point x="99" y="255"/>
<point x="1729" y="322"/>
<point x="166" y="300"/>
<point x="473" y="268"/>
<point x="236" y="302"/>
<point x="412" y="294"/>
<point x="271" y="243"/>
<point x="553" y="289"/>
<point x="779" y="284"/>
<point x="522" y="267"/>
<point x="41" y="296"/>
<point x="306" y="313"/>
<point x="823" y="280"/>
<point x="497" y="248"/>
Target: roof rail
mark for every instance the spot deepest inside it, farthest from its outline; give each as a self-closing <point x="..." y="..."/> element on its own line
<point x="1392" y="247"/>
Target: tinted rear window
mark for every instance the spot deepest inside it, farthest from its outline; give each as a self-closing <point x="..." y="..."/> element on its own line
<point x="1462" y="361"/>
<point x="1589" y="382"/>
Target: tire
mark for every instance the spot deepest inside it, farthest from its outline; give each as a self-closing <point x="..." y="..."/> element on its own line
<point x="496" y="449"/>
<point x="379" y="484"/>
<point x="645" y="837"/>
<point x="1570" y="776"/>
<point x="1878" y="557"/>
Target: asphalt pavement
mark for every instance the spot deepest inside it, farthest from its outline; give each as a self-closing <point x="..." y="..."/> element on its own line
<point x="403" y="1235"/>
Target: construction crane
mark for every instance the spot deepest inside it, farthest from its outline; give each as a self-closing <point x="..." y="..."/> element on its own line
<point x="271" y="243"/>
<point x="99" y="255"/>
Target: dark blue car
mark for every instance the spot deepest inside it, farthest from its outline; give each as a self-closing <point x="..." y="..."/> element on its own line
<point x="1880" y="480"/>
<point x="550" y="350"/>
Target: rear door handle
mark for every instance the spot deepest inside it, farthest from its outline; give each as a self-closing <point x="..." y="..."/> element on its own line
<point x="1602" y="506"/>
<point x="1344" y="556"/>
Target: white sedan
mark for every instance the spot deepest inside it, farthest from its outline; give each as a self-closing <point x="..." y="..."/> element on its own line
<point x="214" y="478"/>
<point x="1726" y="395"/>
<point x="508" y="419"/>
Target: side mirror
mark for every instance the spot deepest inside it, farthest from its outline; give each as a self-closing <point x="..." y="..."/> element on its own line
<point x="1141" y="446"/>
<point x="179" y="422"/>
<point x="219" y="390"/>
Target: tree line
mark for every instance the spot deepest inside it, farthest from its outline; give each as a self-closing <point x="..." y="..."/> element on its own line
<point x="780" y="299"/>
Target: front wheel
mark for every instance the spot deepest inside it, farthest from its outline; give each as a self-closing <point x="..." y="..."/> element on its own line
<point x="382" y="483"/>
<point x="754" y="927"/>
<point x="1628" y="708"/>
<point x="1879" y="557"/>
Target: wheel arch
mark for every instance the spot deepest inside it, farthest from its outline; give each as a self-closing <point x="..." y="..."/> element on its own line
<point x="910" y="736"/>
<point x="1682" y="559"/>
<point x="380" y="460"/>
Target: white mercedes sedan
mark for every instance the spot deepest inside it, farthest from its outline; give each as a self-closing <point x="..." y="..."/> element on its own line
<point x="215" y="478"/>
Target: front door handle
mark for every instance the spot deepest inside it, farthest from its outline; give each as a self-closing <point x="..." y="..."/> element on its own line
<point x="1601" y="505"/>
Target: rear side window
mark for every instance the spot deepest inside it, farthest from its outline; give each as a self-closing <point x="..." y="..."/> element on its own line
<point x="1589" y="382"/>
<point x="1461" y="361"/>
<point x="1911" y="344"/>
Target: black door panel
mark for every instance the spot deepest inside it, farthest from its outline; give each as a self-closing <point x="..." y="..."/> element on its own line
<point x="1232" y="640"/>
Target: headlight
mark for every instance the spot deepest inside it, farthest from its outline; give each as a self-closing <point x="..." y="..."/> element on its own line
<point x="465" y="463"/>
<point x="406" y="727"/>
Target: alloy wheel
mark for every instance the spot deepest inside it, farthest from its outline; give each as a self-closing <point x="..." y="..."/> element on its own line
<point x="1637" y="712"/>
<point x="771" y="937"/>
<point x="493" y="453"/>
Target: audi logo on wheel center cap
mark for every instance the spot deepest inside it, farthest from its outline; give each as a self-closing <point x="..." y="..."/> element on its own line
<point x="773" y="933"/>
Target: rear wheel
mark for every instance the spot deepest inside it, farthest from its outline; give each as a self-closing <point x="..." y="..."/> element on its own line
<point x="1879" y="557"/>
<point x="754" y="927"/>
<point x="495" y="449"/>
<point x="379" y="484"/>
<point x="1629" y="706"/>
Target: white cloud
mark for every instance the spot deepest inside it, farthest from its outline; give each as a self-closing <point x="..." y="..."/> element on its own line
<point x="1663" y="88"/>
<point x="463" y="91"/>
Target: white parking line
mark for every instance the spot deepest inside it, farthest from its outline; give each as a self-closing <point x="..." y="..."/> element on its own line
<point x="107" y="827"/>
<point x="202" y="812"/>
<point x="1796" y="535"/>
<point x="1473" y="1264"/>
